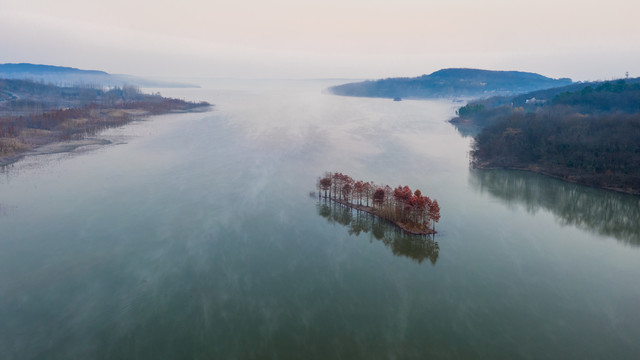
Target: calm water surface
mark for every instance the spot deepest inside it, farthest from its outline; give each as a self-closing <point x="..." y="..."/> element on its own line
<point x="193" y="236"/>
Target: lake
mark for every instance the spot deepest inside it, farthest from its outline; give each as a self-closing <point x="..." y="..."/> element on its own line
<point x="194" y="236"/>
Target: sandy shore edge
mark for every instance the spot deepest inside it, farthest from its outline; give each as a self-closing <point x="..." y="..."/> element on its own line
<point x="372" y="211"/>
<point x="53" y="148"/>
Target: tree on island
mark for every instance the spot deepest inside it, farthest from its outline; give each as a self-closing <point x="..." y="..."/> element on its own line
<point x="378" y="197"/>
<point x="411" y="211"/>
<point x="434" y="212"/>
<point x="325" y="184"/>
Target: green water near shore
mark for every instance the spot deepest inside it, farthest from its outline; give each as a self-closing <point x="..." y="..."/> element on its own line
<point x="194" y="236"/>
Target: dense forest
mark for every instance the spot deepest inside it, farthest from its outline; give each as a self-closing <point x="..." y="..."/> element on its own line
<point x="409" y="210"/>
<point x="451" y="83"/>
<point x="589" y="136"/>
<point x="34" y="114"/>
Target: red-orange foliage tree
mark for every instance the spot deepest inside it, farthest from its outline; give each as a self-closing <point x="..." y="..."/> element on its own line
<point x="434" y="213"/>
<point x="358" y="191"/>
<point x="378" y="197"/>
<point x="325" y="184"/>
<point x="367" y="190"/>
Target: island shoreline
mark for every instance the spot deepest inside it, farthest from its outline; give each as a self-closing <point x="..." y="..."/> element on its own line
<point x="372" y="211"/>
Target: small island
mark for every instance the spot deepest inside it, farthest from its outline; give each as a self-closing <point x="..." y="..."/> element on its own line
<point x="38" y="118"/>
<point x="411" y="211"/>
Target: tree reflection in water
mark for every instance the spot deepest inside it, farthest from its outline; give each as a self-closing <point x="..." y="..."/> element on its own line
<point x="415" y="247"/>
<point x="604" y="212"/>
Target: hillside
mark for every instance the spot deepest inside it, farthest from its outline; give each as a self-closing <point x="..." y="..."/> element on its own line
<point x="452" y="83"/>
<point x="589" y="136"/>
<point x="68" y="76"/>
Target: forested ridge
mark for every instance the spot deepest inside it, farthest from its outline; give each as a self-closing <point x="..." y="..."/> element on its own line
<point x="454" y="82"/>
<point x="590" y="135"/>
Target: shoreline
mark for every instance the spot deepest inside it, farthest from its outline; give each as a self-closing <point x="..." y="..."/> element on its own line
<point x="56" y="146"/>
<point x="372" y="211"/>
<point x="557" y="177"/>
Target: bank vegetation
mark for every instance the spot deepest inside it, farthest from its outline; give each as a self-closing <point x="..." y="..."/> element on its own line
<point x="34" y="114"/>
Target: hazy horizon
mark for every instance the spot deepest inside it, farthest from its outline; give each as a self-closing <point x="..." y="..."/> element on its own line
<point x="584" y="40"/>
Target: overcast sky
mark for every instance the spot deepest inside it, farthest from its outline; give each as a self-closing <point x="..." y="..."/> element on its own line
<point x="584" y="40"/>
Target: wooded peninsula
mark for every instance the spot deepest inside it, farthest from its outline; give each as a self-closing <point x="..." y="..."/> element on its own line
<point x="586" y="133"/>
<point x="411" y="211"/>
<point x="34" y="114"/>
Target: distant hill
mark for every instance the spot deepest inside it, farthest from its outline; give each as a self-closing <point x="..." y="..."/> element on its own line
<point x="25" y="68"/>
<point x="455" y="82"/>
<point x="68" y="76"/>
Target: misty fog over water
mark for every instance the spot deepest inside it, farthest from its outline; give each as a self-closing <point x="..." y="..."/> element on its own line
<point x="194" y="236"/>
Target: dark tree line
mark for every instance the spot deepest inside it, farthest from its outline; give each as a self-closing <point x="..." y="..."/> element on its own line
<point x="408" y="209"/>
<point x="589" y="136"/>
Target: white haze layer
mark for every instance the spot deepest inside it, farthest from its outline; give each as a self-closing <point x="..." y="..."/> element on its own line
<point x="584" y="40"/>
